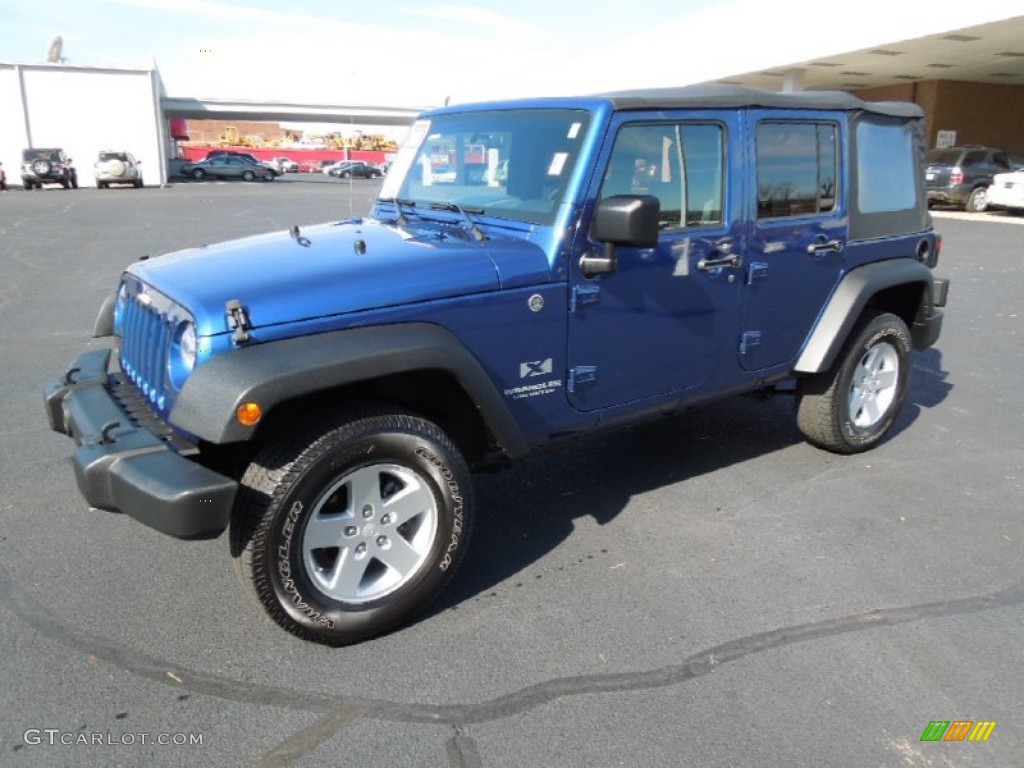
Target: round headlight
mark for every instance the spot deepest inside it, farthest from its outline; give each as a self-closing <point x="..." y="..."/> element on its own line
<point x="119" y="305"/>
<point x="187" y="345"/>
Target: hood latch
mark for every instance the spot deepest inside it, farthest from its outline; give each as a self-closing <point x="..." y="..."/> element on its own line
<point x="238" y="319"/>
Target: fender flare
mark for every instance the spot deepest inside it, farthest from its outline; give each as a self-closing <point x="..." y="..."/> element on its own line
<point x="277" y="371"/>
<point x="847" y="303"/>
<point x="105" y="319"/>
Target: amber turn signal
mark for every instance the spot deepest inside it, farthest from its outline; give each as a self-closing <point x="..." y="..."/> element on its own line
<point x="248" y="414"/>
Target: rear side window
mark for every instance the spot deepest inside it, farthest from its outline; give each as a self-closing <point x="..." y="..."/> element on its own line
<point x="797" y="169"/>
<point x="886" y="176"/>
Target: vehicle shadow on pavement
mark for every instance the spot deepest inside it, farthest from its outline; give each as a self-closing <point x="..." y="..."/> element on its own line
<point x="929" y="386"/>
<point x="527" y="511"/>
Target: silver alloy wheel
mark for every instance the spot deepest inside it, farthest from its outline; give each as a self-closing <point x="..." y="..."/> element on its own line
<point x="369" y="533"/>
<point x="874" y="385"/>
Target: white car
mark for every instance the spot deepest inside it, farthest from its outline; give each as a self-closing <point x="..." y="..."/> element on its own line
<point x="285" y="165"/>
<point x="1007" y="191"/>
<point x="114" y="167"/>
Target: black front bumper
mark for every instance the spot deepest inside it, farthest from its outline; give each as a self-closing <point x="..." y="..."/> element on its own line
<point x="122" y="465"/>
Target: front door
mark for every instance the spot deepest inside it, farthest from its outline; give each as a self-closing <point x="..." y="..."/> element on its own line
<point x="667" y="319"/>
<point x="798" y="229"/>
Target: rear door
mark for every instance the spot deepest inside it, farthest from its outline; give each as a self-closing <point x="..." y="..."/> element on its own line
<point x="798" y="231"/>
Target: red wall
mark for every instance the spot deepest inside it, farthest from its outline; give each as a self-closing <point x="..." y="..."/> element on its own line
<point x="300" y="156"/>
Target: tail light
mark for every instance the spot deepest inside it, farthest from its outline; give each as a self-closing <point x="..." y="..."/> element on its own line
<point x="956" y="176"/>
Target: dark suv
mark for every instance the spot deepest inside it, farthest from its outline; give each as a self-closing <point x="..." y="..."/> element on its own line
<point x="325" y="393"/>
<point x="962" y="175"/>
<point x="47" y="166"/>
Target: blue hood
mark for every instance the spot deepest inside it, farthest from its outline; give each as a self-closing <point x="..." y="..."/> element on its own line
<point x="280" y="280"/>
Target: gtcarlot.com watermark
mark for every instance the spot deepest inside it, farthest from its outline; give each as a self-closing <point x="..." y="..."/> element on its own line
<point x="54" y="736"/>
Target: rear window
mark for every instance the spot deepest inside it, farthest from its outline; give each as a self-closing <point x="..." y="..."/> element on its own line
<point x="41" y="154"/>
<point x="114" y="156"/>
<point x="942" y="157"/>
<point x="885" y="168"/>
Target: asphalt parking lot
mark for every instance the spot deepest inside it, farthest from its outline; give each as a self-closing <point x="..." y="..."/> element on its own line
<point x="704" y="591"/>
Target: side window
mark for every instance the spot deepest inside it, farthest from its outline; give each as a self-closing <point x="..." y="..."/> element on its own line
<point x="973" y="158"/>
<point x="1002" y="160"/>
<point x="797" y="169"/>
<point x="679" y="163"/>
<point x="886" y="176"/>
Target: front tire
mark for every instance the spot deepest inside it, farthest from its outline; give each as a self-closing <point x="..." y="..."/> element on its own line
<point x="248" y="176"/>
<point x="345" y="533"/>
<point x="198" y="174"/>
<point x="852" y="406"/>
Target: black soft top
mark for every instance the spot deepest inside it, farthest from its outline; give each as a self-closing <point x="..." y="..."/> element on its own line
<point x="732" y="96"/>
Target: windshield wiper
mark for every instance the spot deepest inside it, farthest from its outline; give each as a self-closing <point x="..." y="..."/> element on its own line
<point x="398" y="203"/>
<point x="474" y="230"/>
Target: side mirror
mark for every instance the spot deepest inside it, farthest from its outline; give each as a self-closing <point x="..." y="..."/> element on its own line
<point x="630" y="220"/>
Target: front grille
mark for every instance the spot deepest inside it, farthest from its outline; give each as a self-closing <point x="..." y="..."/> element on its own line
<point x="142" y="414"/>
<point x="146" y="335"/>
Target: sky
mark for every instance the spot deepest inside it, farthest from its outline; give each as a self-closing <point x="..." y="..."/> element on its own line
<point x="391" y="52"/>
<point x="418" y="54"/>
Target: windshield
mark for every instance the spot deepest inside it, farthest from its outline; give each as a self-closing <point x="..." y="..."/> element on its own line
<point x="512" y="164"/>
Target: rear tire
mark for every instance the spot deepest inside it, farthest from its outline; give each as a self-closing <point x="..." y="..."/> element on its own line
<point x="248" y="176"/>
<point x="977" y="201"/>
<point x="851" y="407"/>
<point x="345" y="532"/>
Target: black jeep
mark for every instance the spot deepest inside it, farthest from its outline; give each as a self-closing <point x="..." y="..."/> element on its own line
<point x="47" y="166"/>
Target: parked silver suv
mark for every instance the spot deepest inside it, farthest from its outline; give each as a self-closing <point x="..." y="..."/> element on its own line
<point x="114" y="167"/>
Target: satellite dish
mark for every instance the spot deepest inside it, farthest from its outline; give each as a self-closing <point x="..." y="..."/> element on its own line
<point x="56" y="49"/>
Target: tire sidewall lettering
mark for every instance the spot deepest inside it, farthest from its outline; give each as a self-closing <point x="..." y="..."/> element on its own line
<point x="284" y="569"/>
<point x="455" y="495"/>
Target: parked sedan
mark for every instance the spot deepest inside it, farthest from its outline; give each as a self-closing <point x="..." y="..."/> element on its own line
<point x="355" y="169"/>
<point x="230" y="167"/>
<point x="1007" y="191"/>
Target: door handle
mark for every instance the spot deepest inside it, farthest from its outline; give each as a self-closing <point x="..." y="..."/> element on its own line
<point x="733" y="261"/>
<point x="823" y="246"/>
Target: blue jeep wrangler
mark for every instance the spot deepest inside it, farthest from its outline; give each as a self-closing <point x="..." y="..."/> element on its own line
<point x="533" y="271"/>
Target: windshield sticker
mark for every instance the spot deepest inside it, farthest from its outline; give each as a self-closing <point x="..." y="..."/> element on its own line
<point x="557" y="163"/>
<point x="403" y="162"/>
<point x="574" y="130"/>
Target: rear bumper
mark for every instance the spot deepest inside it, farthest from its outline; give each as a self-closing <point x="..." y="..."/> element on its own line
<point x="926" y="330"/>
<point x="123" y="466"/>
<point x="949" y="195"/>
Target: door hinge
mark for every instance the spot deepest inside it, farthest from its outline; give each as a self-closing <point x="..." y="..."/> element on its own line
<point x="749" y="340"/>
<point x="758" y="270"/>
<point x="584" y="293"/>
<point x="582" y="374"/>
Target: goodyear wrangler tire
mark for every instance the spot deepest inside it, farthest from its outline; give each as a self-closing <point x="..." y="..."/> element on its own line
<point x="851" y="407"/>
<point x="345" y="533"/>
